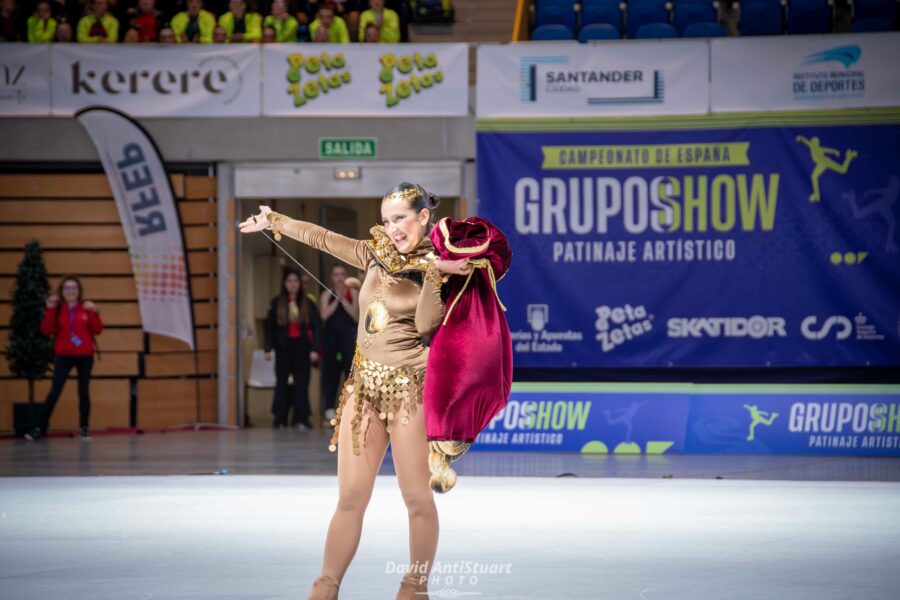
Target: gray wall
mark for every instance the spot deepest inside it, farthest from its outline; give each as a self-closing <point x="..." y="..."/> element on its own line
<point x="246" y="139"/>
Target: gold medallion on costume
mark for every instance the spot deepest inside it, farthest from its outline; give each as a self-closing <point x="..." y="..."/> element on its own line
<point x="377" y="317"/>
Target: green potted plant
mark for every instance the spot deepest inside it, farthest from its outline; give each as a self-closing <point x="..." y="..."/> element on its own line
<point x="30" y="352"/>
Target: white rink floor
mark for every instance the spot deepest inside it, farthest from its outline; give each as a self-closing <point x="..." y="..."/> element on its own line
<point x="260" y="537"/>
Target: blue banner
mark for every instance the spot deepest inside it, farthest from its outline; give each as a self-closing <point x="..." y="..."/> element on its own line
<point x="828" y="424"/>
<point x="698" y="419"/>
<point x="589" y="422"/>
<point x="708" y="244"/>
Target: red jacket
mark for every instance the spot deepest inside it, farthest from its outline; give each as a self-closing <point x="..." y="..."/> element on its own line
<point x="87" y="325"/>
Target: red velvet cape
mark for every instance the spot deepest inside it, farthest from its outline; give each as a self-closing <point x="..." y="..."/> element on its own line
<point x="469" y="372"/>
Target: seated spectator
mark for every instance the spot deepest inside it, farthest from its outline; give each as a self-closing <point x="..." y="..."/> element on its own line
<point x="194" y="25"/>
<point x="132" y="36"/>
<point x="387" y="21"/>
<point x="307" y="9"/>
<point x="329" y="28"/>
<point x="372" y="34"/>
<point x="10" y="22"/>
<point x="166" y="36"/>
<point x="146" y="20"/>
<point x="240" y="25"/>
<point x="41" y="25"/>
<point x="269" y="35"/>
<point x="348" y="10"/>
<point x="433" y="11"/>
<point x="97" y="25"/>
<point x="63" y="32"/>
<point x="282" y="22"/>
<point x="219" y="35"/>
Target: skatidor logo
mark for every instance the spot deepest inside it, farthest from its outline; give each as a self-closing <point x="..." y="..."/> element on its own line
<point x="756" y="327"/>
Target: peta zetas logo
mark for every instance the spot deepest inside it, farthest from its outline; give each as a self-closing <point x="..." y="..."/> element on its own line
<point x="619" y="324"/>
<point x="841" y="325"/>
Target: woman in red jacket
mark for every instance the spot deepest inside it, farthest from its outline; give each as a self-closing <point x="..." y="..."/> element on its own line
<point x="73" y="325"/>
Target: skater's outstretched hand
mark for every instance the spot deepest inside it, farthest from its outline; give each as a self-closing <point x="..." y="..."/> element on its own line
<point x="257" y="222"/>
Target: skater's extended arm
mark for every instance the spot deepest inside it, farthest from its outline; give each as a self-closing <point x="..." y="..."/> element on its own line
<point x="352" y="252"/>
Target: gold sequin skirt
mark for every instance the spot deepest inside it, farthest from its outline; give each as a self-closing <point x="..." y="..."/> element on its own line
<point x="387" y="391"/>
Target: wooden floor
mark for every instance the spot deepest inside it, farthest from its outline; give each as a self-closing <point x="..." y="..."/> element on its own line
<point x="291" y="452"/>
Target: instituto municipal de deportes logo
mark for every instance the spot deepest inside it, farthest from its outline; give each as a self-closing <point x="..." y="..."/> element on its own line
<point x="827" y="74"/>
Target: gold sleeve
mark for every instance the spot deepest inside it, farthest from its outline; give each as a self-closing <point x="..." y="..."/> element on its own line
<point x="352" y="252"/>
<point x="430" y="309"/>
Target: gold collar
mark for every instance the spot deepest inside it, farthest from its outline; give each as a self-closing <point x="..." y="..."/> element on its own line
<point x="392" y="260"/>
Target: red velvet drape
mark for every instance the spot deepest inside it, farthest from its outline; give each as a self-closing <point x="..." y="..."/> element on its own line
<point x="469" y="372"/>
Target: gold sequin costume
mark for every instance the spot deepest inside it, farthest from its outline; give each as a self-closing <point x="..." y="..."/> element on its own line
<point x="397" y="310"/>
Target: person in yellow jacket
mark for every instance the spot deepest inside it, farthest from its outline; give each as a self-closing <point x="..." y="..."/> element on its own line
<point x="328" y="28"/>
<point x="284" y="24"/>
<point x="41" y="25"/>
<point x="239" y="25"/>
<point x="97" y="25"/>
<point x="387" y="21"/>
<point x="194" y="24"/>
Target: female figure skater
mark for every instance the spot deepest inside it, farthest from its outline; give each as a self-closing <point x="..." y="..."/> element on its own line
<point x="400" y="302"/>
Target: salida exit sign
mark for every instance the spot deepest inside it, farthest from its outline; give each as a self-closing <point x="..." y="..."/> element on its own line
<point x="341" y="148"/>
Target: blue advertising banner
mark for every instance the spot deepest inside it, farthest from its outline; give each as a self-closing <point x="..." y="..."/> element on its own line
<point x="621" y="418"/>
<point x="564" y="420"/>
<point x="702" y="241"/>
<point x="838" y="424"/>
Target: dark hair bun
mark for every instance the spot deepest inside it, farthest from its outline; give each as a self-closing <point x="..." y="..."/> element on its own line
<point x="434" y="200"/>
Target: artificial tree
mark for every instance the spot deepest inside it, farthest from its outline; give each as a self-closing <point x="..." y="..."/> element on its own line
<point x="30" y="352"/>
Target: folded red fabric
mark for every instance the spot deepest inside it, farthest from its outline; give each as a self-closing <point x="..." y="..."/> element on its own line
<point x="469" y="372"/>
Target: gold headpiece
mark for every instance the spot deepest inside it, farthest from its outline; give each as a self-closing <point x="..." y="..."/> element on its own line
<point x="407" y="195"/>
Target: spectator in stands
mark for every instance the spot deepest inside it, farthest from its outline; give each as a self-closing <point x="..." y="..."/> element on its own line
<point x="329" y="28"/>
<point x="63" y="32"/>
<point x="41" y="25"/>
<point x="282" y="22"/>
<point x="292" y="331"/>
<point x="132" y="36"/>
<point x="387" y="21"/>
<point x="61" y="9"/>
<point x="194" y="25"/>
<point x="269" y="35"/>
<point x="73" y="324"/>
<point x="306" y="11"/>
<point x="219" y="35"/>
<point x="97" y="25"/>
<point x="146" y="20"/>
<point x="240" y="25"/>
<point x="348" y="10"/>
<point x="372" y="35"/>
<point x="166" y="36"/>
<point x="10" y="22"/>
